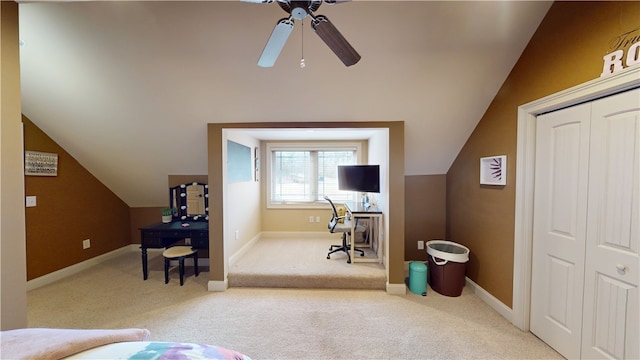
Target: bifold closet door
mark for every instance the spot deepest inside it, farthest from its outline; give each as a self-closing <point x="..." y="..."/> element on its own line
<point x="611" y="303"/>
<point x="584" y="291"/>
<point x="560" y="213"/>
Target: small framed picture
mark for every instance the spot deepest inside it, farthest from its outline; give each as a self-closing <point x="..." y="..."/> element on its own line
<point x="40" y="163"/>
<point x="493" y="170"/>
<point x="256" y="164"/>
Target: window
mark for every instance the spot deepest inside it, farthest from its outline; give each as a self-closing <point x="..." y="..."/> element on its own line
<point x="302" y="175"/>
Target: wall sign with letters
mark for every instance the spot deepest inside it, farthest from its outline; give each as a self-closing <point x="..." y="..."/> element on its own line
<point x="626" y="52"/>
<point x="40" y="163"/>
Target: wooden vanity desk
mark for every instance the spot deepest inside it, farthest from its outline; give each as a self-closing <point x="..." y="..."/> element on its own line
<point x="190" y="205"/>
<point x="162" y="235"/>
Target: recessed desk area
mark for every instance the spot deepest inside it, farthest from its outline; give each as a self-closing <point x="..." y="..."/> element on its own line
<point x="374" y="215"/>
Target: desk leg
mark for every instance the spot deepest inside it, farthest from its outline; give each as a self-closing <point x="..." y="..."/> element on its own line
<point x="373" y="238"/>
<point x="352" y="247"/>
<point x="144" y="262"/>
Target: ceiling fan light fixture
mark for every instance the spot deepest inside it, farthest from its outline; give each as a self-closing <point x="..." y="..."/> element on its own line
<point x="299" y="13"/>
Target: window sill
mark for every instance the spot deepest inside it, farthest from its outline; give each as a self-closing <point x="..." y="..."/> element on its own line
<point x="299" y="205"/>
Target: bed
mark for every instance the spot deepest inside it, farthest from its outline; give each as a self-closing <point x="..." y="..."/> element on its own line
<point x="45" y="343"/>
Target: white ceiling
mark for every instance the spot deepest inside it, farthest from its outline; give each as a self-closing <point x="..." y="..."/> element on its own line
<point x="128" y="87"/>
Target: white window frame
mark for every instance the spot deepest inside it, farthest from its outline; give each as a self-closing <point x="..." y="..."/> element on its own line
<point x="305" y="146"/>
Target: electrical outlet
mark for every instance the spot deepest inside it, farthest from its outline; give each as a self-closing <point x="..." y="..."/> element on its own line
<point x="187" y="241"/>
<point x="317" y="218"/>
<point x="31" y="201"/>
<point x="310" y="218"/>
<point x="86" y="243"/>
<point x="420" y="244"/>
<point x="237" y="234"/>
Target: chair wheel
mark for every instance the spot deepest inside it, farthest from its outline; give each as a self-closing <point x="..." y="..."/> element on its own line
<point x="361" y="255"/>
<point x="348" y="261"/>
<point x="329" y="257"/>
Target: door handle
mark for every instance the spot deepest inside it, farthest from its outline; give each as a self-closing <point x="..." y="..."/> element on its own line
<point x="622" y="269"/>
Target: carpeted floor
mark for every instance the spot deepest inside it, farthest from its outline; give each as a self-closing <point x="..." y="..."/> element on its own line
<point x="268" y="323"/>
<point x="303" y="263"/>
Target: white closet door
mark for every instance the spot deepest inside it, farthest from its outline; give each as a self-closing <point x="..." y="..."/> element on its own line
<point x="562" y="165"/>
<point x="611" y="302"/>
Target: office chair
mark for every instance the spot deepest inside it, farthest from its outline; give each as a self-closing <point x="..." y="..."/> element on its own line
<point x="344" y="227"/>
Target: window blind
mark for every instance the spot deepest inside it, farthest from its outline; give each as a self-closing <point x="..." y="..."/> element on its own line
<point x="308" y="175"/>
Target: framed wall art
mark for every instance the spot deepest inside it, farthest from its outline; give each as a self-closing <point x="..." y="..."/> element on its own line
<point x="40" y="163"/>
<point x="493" y="170"/>
<point x="238" y="162"/>
<point x="256" y="164"/>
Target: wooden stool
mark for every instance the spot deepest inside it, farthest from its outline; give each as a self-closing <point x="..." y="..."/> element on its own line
<point x="179" y="253"/>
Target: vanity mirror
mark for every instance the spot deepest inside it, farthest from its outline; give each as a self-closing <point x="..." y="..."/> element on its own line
<point x="190" y="202"/>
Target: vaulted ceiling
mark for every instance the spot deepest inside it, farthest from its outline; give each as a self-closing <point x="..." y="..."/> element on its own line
<point x="128" y="87"/>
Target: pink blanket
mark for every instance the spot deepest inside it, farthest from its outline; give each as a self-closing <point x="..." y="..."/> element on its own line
<point x="39" y="343"/>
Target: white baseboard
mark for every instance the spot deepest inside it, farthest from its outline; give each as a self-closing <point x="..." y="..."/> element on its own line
<point x="493" y="302"/>
<point x="81" y="266"/>
<point x="396" y="289"/>
<point x="297" y="235"/>
<point x="243" y="250"/>
<point x="76" y="268"/>
<point x="218" y="286"/>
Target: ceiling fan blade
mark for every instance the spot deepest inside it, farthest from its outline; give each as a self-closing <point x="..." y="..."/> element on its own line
<point x="334" y="40"/>
<point x="258" y="1"/>
<point x="333" y="2"/>
<point x="276" y="42"/>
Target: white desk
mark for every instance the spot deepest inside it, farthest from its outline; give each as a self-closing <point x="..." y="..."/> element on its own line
<point x="358" y="211"/>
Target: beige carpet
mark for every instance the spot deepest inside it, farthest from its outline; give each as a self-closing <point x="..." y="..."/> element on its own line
<point x="303" y="263"/>
<point x="269" y="323"/>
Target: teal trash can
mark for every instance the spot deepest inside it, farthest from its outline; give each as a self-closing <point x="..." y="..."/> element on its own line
<point x="418" y="278"/>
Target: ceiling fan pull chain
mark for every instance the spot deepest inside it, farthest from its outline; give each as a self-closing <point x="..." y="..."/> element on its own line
<point x="302" y="64"/>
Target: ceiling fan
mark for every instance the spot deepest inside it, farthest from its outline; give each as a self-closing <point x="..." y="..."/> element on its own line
<point x="299" y="10"/>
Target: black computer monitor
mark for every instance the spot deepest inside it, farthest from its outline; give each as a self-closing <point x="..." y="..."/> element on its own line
<point x="362" y="178"/>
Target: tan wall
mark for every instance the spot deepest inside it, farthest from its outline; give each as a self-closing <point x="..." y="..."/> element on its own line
<point x="175" y="180"/>
<point x="396" y="200"/>
<point x="295" y="219"/>
<point x="71" y="207"/>
<point x="13" y="301"/>
<point x="565" y="51"/>
<point x="425" y="214"/>
<point x="66" y="212"/>
<point x="216" y="205"/>
<point x="143" y="216"/>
